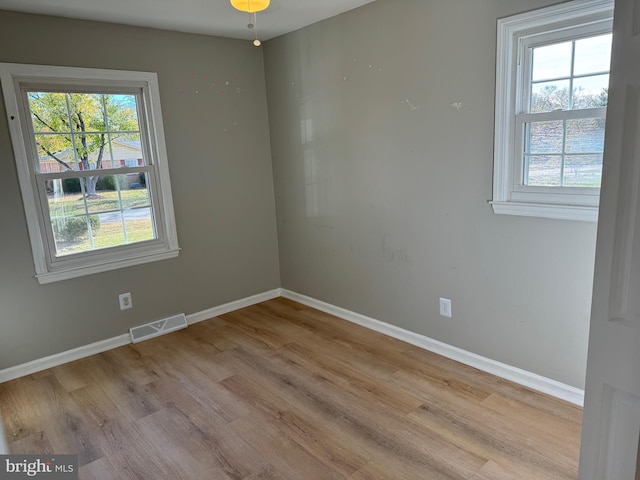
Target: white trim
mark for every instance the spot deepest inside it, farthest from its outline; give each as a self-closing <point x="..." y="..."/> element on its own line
<point x="68" y="273"/>
<point x="233" y="306"/>
<point x="528" y="379"/>
<point x="64" y="357"/>
<point x="542" y="210"/>
<point x="51" y="361"/>
<point x="558" y="13"/>
<point x="512" y="32"/>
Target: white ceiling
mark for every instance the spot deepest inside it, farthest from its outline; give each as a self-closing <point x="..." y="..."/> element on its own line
<point x="211" y="17"/>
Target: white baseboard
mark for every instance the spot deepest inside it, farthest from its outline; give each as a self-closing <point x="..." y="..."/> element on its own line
<point x="110" y="343"/>
<point x="517" y="375"/>
<point x="232" y="306"/>
<point x="63" y="357"/>
<point x="528" y="379"/>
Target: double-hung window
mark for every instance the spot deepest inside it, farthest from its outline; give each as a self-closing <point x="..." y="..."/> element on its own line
<point x="92" y="166"/>
<point x="551" y="100"/>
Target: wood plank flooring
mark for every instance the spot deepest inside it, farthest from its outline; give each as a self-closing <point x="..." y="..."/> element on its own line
<point x="281" y="391"/>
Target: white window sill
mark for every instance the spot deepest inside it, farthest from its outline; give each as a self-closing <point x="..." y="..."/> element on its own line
<point x="562" y="212"/>
<point x="73" y="272"/>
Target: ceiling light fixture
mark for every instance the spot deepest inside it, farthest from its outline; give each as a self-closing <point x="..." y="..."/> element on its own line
<point x="251" y="7"/>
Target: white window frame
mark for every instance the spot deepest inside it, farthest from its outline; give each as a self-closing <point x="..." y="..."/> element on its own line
<point x="49" y="268"/>
<point x="515" y="35"/>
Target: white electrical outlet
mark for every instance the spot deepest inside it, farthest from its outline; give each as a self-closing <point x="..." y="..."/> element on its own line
<point x="445" y="307"/>
<point x="125" y="301"/>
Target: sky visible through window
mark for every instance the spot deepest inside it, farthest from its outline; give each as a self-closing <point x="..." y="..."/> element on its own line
<point x="587" y="65"/>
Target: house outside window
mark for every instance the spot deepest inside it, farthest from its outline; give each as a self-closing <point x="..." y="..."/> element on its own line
<point x="551" y="97"/>
<point x="92" y="165"/>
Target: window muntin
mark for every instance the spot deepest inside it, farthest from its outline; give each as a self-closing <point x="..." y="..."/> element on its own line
<point x="96" y="189"/>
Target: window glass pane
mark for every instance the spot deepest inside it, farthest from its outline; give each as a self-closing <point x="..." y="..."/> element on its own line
<point x="548" y="96"/>
<point x="65" y="197"/>
<point x="73" y="234"/>
<point x="541" y="170"/>
<point x="551" y="61"/>
<point x="93" y="151"/>
<point x="585" y="135"/>
<point x="592" y="55"/>
<point x="118" y="192"/>
<point x="106" y="197"/>
<point x="49" y="112"/>
<point x="127" y="150"/>
<point x="122" y="112"/>
<point x="118" y="214"/>
<point x="111" y="231"/>
<point x="139" y="225"/>
<point x="124" y="228"/>
<point x="87" y="112"/>
<point x="544" y="137"/>
<point x="591" y="92"/>
<point x="55" y="153"/>
<point x="69" y="222"/>
<point x="134" y="193"/>
<point x="583" y="170"/>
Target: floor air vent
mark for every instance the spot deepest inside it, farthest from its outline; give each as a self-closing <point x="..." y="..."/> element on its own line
<point x="157" y="328"/>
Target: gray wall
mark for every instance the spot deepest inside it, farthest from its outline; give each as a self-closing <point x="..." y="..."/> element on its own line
<point x="221" y="179"/>
<point x="382" y="186"/>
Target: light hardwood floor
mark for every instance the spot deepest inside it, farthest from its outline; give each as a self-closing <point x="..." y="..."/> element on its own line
<point x="281" y="391"/>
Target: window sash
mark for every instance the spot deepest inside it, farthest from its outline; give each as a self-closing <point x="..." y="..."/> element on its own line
<point x="527" y="43"/>
<point x="151" y="186"/>
<point x="142" y="106"/>
<point x="518" y="185"/>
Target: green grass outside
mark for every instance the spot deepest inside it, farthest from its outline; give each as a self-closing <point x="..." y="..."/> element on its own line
<point x="110" y="235"/>
<point x="71" y="204"/>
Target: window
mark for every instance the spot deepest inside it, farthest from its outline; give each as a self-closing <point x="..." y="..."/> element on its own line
<point x="92" y="165"/>
<point x="552" y="85"/>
